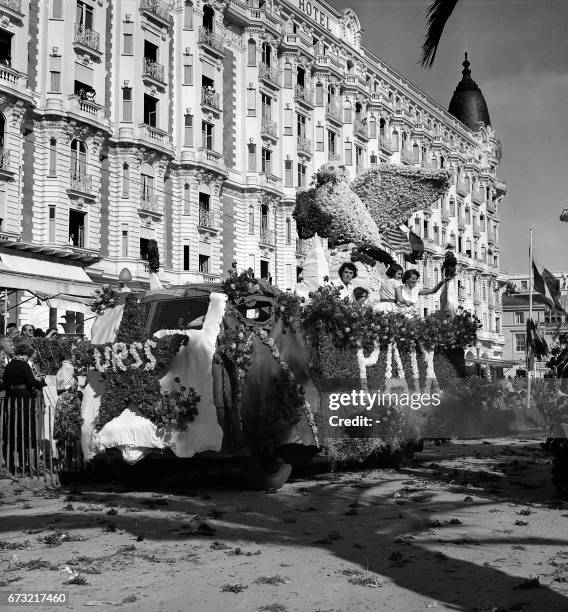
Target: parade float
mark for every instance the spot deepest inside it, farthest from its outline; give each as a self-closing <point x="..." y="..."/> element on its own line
<point x="244" y="369"/>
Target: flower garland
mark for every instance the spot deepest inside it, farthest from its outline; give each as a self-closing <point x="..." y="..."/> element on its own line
<point x="238" y="286"/>
<point x="68" y="419"/>
<point x="287" y="307"/>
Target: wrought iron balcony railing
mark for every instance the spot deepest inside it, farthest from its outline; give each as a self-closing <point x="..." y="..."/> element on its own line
<point x="269" y="127"/>
<point x="15" y="5"/>
<point x="87" y="37"/>
<point x="209" y="38"/>
<point x="385" y="144"/>
<point x="333" y="111"/>
<point x="149" y="202"/>
<point x="304" y="94"/>
<point x="304" y="145"/>
<point x="269" y="73"/>
<point x="210" y="98"/>
<point x="82" y="182"/>
<point x="207" y="219"/>
<point x="154" y="70"/>
<point x="361" y="128"/>
<point x="158" y="8"/>
<point x="267" y="237"/>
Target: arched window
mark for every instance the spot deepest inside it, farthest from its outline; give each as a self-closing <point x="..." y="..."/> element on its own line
<point x="395" y="141"/>
<point x="415" y="153"/>
<point x="288" y="231"/>
<point x="442" y="162"/>
<point x="424" y="157"/>
<point x="208" y="18"/>
<point x="301" y="76"/>
<point x="251" y="219"/>
<point x="78" y="158"/>
<point x="467" y="184"/>
<point x="404" y="142"/>
<point x="266" y="54"/>
<point x="382" y="128"/>
<point x="125" y="181"/>
<point x="347" y="115"/>
<point x="330" y="94"/>
<point x="186" y="201"/>
<point x="188" y="15"/>
<point x="251" y="53"/>
<point x="372" y="127"/>
<point x="264" y="218"/>
<point x="288" y="75"/>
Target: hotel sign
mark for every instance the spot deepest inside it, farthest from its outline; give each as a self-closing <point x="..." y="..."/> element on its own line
<point x="315" y="12"/>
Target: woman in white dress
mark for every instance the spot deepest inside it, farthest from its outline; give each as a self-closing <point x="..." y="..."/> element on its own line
<point x="387" y="291"/>
<point x="407" y="294"/>
<point x="347" y="272"/>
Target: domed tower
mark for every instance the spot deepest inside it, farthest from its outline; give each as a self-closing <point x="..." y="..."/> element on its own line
<point x="468" y="104"/>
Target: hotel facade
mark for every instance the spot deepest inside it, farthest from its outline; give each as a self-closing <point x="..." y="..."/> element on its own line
<point x="194" y="124"/>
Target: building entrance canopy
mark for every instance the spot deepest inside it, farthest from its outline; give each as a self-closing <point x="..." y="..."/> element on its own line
<point x="42" y="276"/>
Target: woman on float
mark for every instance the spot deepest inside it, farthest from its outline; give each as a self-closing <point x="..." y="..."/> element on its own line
<point x="387" y="291"/>
<point x="347" y="272"/>
<point x="407" y="294"/>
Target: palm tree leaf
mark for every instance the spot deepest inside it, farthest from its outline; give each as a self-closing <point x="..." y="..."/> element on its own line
<point x="437" y="15"/>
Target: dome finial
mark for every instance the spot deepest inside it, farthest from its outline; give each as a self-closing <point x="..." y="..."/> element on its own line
<point x="466" y="71"/>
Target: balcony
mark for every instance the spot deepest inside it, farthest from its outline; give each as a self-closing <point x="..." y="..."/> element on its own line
<point x="445" y="216"/>
<point x="87" y="109"/>
<point x="334" y="157"/>
<point x="461" y="293"/>
<point x="15" y="82"/>
<point x="269" y="74"/>
<point x="360" y="128"/>
<point x="385" y="145"/>
<point x="491" y="237"/>
<point x="88" y="40"/>
<point x="462" y="224"/>
<point x="210" y="156"/>
<point x="350" y="81"/>
<point x="267" y="237"/>
<point x="334" y="113"/>
<point x="304" y="95"/>
<point x="302" y="247"/>
<point x="153" y="71"/>
<point x="211" y="41"/>
<point x="207" y="220"/>
<point x="154" y="136"/>
<point x="81" y="182"/>
<point x="269" y="128"/>
<point x="476" y="229"/>
<point x="407" y="157"/>
<point x="5" y="163"/>
<point x="491" y="206"/>
<point x="210" y="98"/>
<point x="157" y="10"/>
<point x="462" y="187"/>
<point x="149" y="203"/>
<point x="13" y="8"/>
<point x="266" y="179"/>
<point x="304" y="145"/>
<point x="478" y="195"/>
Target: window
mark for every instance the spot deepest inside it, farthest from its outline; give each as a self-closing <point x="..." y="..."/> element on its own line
<point x="266" y="54"/>
<point x="319" y="94"/>
<point x="124" y="240"/>
<point x="288" y="120"/>
<point x="127" y="103"/>
<point x="188" y="15"/>
<point x="53" y="157"/>
<point x="395" y="141"/>
<point x="186" y="200"/>
<point x="520" y="343"/>
<point x="188" y="131"/>
<point x="524" y="285"/>
<point x="359" y="162"/>
<point x="266" y="105"/>
<point x="186" y="256"/>
<point x="251" y="102"/>
<point x="348" y="154"/>
<point x="251" y="220"/>
<point x="331" y="143"/>
<point x="51" y="224"/>
<point x="57" y="9"/>
<point x="301" y="125"/>
<point x="55" y="74"/>
<point x="301" y="175"/>
<point x="150" y="110"/>
<point x="204" y="264"/>
<point x="77" y="228"/>
<point x="319" y="138"/>
<point x="415" y="153"/>
<point x="144" y="245"/>
<point x="147" y="182"/>
<point x="288" y="75"/>
<point x="208" y="18"/>
<point x="347" y="115"/>
<point x="78" y="158"/>
<point x="251" y="158"/>
<point x="251" y="55"/>
<point x="207" y="135"/>
<point x="127" y="43"/>
<point x="84" y="16"/>
<point x="125" y="180"/>
<point x="288" y="174"/>
<point x="188" y="69"/>
<point x="288" y="231"/>
<point x="266" y="161"/>
<point x="452" y="208"/>
<point x="373" y="128"/>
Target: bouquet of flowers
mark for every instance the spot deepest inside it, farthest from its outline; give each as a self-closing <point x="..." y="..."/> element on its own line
<point x="103" y="298"/>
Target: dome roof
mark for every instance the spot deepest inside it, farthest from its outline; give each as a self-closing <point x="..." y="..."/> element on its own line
<point x="468" y="104"/>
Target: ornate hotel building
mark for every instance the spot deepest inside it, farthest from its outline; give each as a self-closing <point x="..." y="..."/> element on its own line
<point x="194" y="123"/>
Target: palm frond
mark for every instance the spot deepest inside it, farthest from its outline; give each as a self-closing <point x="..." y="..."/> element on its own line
<point x="437" y="15"/>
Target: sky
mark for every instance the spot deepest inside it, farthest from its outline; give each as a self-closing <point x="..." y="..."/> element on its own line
<point x="518" y="51"/>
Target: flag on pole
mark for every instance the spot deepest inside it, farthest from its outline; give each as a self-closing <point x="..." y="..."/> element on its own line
<point x="545" y="283"/>
<point x="396" y="239"/>
<point x="535" y="341"/>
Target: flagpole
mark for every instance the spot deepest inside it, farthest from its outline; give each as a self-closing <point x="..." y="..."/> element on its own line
<point x="527" y="344"/>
